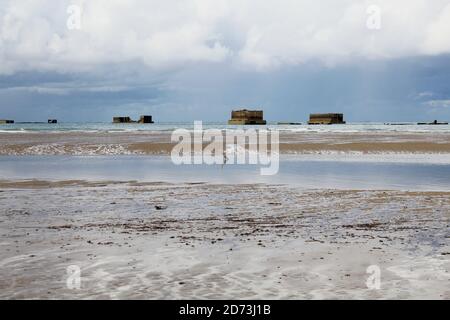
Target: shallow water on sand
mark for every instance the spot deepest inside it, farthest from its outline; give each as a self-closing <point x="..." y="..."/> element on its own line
<point x="301" y="173"/>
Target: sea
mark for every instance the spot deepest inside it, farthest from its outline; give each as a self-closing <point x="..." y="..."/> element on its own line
<point x="397" y="171"/>
<point x="170" y="126"/>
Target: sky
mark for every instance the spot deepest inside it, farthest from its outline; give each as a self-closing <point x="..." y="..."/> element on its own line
<point x="186" y="60"/>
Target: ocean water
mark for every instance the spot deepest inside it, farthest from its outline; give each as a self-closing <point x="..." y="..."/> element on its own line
<point x="170" y="126"/>
<point x="293" y="171"/>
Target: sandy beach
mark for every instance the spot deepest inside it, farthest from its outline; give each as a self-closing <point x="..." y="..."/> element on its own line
<point x="113" y="206"/>
<point x="204" y="241"/>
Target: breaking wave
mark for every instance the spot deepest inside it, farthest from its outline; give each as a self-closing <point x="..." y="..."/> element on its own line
<point x="79" y="150"/>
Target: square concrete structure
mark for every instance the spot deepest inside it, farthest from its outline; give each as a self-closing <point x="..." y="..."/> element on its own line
<point x="243" y="117"/>
<point x="142" y="119"/>
<point x="146" y="119"/>
<point x="326" y="118"/>
<point x="122" y="120"/>
<point x="6" y="121"/>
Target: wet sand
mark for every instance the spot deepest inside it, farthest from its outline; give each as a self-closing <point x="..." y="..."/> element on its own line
<point x="159" y="240"/>
<point x="104" y="143"/>
<point x="204" y="241"/>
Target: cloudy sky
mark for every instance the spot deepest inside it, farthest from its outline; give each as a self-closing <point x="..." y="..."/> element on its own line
<point x="87" y="60"/>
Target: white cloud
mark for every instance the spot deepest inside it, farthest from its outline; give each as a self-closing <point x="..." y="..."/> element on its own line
<point x="49" y="89"/>
<point x="438" y="103"/>
<point x="245" y="33"/>
<point x="423" y="95"/>
<point x="438" y="33"/>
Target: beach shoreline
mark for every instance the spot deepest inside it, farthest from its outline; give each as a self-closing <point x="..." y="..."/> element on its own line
<point x="154" y="143"/>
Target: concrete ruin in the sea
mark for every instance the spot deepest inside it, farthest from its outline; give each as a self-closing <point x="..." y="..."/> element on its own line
<point x="142" y="119"/>
<point x="289" y="123"/>
<point x="435" y="122"/>
<point x="2" y="121"/>
<point x="326" y="118"/>
<point x="52" y="121"/>
<point x="244" y="117"/>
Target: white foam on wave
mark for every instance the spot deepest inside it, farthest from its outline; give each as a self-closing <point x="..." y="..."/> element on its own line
<point x="84" y="150"/>
<point x="168" y="127"/>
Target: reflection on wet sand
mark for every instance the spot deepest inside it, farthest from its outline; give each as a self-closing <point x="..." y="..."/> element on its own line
<point x="147" y="241"/>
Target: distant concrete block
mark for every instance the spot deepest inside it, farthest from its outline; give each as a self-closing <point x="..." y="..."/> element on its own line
<point x="142" y="119"/>
<point x="122" y="120"/>
<point x="326" y="118"/>
<point x="146" y="119"/>
<point x="435" y="122"/>
<point x="247" y="117"/>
